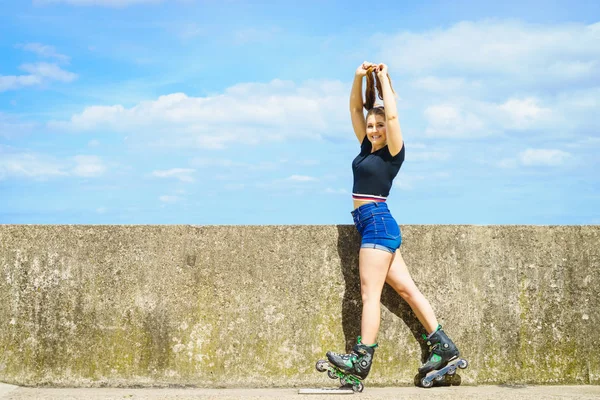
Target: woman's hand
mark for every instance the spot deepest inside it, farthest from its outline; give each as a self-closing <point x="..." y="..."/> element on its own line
<point x="364" y="67"/>
<point x="381" y="70"/>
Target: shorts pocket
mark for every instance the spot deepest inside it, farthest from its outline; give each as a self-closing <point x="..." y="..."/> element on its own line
<point x="391" y="227"/>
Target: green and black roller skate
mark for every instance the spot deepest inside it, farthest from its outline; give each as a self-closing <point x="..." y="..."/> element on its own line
<point x="351" y="368"/>
<point x="443" y="358"/>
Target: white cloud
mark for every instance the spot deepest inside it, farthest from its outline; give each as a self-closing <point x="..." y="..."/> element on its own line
<point x="244" y="114"/>
<point x="50" y="71"/>
<point x="492" y="76"/>
<point x="531" y="52"/>
<point x="12" y="82"/>
<point x="524" y="113"/>
<point x="44" y="51"/>
<point x="106" y="3"/>
<point x="183" y="174"/>
<point x="95" y="115"/>
<point x="88" y="166"/>
<point x="38" y="74"/>
<point x="473" y="118"/>
<point x="543" y="157"/>
<point x="447" y="120"/>
<point x="536" y="158"/>
<point x="30" y="165"/>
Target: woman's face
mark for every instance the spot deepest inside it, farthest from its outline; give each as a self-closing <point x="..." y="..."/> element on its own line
<point x="376" y="130"/>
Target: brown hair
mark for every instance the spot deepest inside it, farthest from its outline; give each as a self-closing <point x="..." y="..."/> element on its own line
<point x="372" y="81"/>
<point x="379" y="110"/>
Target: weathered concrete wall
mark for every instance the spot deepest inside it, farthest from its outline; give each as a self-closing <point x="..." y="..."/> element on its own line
<point x="257" y="306"/>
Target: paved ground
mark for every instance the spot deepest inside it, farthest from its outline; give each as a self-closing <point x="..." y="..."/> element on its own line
<point x="439" y="393"/>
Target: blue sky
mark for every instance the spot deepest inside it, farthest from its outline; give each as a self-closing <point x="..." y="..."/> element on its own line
<point x="236" y="112"/>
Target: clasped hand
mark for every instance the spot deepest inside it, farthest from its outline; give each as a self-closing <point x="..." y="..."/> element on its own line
<point x="365" y="67"/>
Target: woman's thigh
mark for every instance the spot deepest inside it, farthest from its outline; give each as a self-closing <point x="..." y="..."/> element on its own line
<point x="398" y="276"/>
<point x="373" y="267"/>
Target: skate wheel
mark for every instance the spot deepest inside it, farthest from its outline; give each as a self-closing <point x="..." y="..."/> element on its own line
<point x="321" y="365"/>
<point x="426" y="383"/>
<point x="462" y="364"/>
<point x="451" y="371"/>
<point x="358" y="387"/>
<point x="331" y="373"/>
<point x="439" y="378"/>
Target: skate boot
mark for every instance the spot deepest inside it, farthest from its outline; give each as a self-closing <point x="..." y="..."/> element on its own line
<point x="357" y="363"/>
<point x="443" y="359"/>
<point x="349" y="368"/>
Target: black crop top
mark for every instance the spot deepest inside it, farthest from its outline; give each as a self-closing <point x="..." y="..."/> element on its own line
<point x="374" y="172"/>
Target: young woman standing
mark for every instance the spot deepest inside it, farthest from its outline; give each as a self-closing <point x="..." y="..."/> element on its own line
<point x="380" y="158"/>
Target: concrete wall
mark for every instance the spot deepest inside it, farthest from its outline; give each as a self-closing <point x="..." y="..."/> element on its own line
<point x="256" y="306"/>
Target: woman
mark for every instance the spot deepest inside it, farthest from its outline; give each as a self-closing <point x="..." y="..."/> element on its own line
<point x="376" y="166"/>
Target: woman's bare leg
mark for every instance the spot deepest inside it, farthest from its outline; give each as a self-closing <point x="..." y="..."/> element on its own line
<point x="373" y="265"/>
<point x="400" y="280"/>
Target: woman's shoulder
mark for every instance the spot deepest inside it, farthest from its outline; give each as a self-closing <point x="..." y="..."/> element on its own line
<point x="365" y="145"/>
<point x="399" y="157"/>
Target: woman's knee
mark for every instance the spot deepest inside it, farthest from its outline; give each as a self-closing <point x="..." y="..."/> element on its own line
<point x="371" y="295"/>
<point x="405" y="294"/>
<point x="407" y="291"/>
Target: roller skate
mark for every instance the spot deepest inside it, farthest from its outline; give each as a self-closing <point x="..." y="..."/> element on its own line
<point x="443" y="358"/>
<point x="351" y="368"/>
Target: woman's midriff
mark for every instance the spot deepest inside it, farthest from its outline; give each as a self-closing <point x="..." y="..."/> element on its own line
<point x="358" y="203"/>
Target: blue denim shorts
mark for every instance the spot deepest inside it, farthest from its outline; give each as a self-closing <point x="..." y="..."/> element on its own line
<point x="377" y="227"/>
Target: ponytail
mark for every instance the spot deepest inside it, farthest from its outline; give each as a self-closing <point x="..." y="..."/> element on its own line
<point x="372" y="81"/>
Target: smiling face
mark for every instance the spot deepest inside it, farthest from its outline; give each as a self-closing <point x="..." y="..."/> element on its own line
<point x="376" y="130"/>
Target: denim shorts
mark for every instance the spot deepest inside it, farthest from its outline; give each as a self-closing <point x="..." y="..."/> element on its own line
<point x="377" y="227"/>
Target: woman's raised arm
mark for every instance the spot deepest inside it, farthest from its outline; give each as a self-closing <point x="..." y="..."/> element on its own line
<point x="356" y="101"/>
<point x="393" y="131"/>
